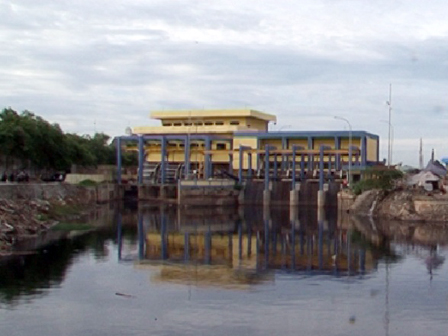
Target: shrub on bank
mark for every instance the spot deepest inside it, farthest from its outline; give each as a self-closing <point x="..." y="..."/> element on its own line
<point x="377" y="179"/>
<point x="88" y="183"/>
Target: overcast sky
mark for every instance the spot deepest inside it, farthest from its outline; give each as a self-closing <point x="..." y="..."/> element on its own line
<point x="104" y="65"/>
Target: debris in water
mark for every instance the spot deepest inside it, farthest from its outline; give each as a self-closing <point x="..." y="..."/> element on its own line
<point x="125" y="295"/>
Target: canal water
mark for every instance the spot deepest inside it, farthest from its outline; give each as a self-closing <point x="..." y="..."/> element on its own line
<point x="247" y="271"/>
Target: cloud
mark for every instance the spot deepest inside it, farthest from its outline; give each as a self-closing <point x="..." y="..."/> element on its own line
<point x="105" y="64"/>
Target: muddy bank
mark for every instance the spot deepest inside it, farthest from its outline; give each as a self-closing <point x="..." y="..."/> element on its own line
<point x="31" y="209"/>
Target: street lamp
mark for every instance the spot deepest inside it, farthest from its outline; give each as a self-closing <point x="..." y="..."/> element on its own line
<point x="391" y="145"/>
<point x="349" y="148"/>
<point x="389" y="103"/>
<point x="284" y="126"/>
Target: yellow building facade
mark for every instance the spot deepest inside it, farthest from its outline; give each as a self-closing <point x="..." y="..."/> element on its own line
<point x="212" y="143"/>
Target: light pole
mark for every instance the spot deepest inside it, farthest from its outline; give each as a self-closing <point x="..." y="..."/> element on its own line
<point x="389" y="152"/>
<point x="284" y="126"/>
<point x="349" y="148"/>
<point x="391" y="145"/>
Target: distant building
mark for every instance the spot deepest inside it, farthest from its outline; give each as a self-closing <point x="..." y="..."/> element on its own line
<point x="210" y="143"/>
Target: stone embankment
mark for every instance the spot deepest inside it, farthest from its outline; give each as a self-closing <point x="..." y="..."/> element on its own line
<point x="28" y="209"/>
<point x="404" y="205"/>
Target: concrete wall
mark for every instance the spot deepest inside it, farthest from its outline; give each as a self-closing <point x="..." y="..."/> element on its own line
<point x="76" y="178"/>
<point x="59" y="191"/>
<point x="206" y="196"/>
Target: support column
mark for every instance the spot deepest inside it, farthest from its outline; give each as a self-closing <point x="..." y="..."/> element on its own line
<point x="249" y="171"/>
<point x="275" y="166"/>
<point x="187" y="166"/>
<point x="284" y="146"/>
<point x="207" y="161"/>
<point x="266" y="191"/>
<point x="293" y="175"/>
<point x="321" y="167"/>
<point x="141" y="158"/>
<point x="163" y="160"/>
<point x="337" y="146"/>
<point x="364" y="150"/>
<point x="310" y="156"/>
<point x="240" y="164"/>
<point x="266" y="168"/>
<point x="118" y="142"/>
<point x="302" y="167"/>
<point x="321" y="194"/>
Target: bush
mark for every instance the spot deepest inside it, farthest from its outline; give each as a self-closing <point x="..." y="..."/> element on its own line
<point x="379" y="179"/>
<point x="87" y="183"/>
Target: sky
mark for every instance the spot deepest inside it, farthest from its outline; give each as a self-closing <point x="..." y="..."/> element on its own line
<point x="103" y="65"/>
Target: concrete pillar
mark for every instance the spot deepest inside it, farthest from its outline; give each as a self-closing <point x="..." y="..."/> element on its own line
<point x="294" y="215"/>
<point x="321" y="195"/>
<point x="294" y="197"/>
<point x="266" y="197"/>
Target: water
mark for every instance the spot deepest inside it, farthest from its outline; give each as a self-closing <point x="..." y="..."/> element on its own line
<point x="161" y="271"/>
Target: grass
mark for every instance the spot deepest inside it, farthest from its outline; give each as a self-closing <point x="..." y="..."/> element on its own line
<point x="87" y="183"/>
<point x="58" y="211"/>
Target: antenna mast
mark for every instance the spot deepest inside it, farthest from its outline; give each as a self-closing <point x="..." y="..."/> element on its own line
<point x="421" y="154"/>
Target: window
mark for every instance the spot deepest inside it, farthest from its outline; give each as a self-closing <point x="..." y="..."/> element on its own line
<point x="198" y="124"/>
<point x="208" y="123"/>
<point x="234" y="122"/>
<point x="221" y="146"/>
<point x="167" y="125"/>
<point x="188" y="124"/>
<point x="177" y="124"/>
<point x="219" y="123"/>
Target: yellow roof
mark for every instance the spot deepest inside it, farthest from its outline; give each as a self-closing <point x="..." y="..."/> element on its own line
<point x="193" y="114"/>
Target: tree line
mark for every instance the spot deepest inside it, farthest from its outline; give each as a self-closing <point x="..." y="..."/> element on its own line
<point x="34" y="141"/>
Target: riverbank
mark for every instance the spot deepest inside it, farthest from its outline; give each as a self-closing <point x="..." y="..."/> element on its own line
<point x="403" y="205"/>
<point x="27" y="210"/>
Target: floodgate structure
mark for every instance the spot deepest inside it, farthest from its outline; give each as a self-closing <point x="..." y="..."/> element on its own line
<point x="235" y="149"/>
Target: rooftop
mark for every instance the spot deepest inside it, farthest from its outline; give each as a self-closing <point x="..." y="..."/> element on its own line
<point x="200" y="114"/>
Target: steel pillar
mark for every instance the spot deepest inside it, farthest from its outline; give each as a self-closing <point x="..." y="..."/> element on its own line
<point x="207" y="161"/>
<point x="163" y="160"/>
<point x="141" y="158"/>
<point x="266" y="168"/>
<point x="187" y="166"/>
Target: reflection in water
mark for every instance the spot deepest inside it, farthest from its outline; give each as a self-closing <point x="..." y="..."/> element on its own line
<point x="305" y="272"/>
<point x="217" y="248"/>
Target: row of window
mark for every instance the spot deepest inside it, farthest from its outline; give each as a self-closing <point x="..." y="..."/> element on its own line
<point x="221" y="146"/>
<point x="200" y="123"/>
